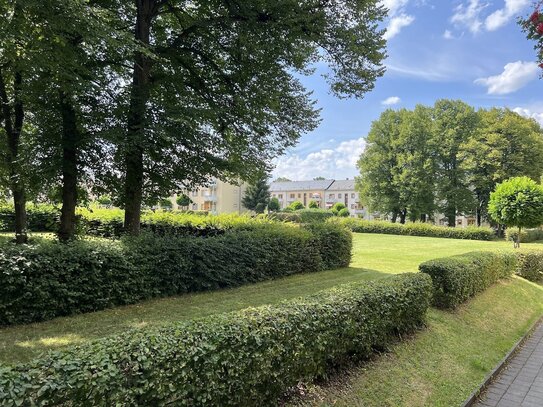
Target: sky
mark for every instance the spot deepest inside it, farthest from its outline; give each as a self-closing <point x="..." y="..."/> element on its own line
<point x="472" y="50"/>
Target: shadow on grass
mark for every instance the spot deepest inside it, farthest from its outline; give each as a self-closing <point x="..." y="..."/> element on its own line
<point x="24" y="342"/>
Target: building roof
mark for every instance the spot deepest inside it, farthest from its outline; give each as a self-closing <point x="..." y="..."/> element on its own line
<point x="300" y="185"/>
<point x="342" y="185"/>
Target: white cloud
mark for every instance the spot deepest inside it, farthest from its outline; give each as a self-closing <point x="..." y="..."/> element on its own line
<point x="396" y="24"/>
<point x="448" y="35"/>
<point x="502" y="16"/>
<point x="469" y="15"/>
<point x="338" y="162"/>
<point x="515" y="75"/>
<point x="393" y="6"/>
<point x="392" y="100"/>
<point x="533" y="113"/>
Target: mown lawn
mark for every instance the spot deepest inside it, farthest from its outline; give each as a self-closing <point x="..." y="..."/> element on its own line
<point x="375" y="256"/>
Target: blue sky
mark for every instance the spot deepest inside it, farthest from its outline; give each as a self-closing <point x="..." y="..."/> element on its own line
<point x="471" y="50"/>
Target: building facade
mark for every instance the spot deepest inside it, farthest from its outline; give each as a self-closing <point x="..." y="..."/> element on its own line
<point x="324" y="192"/>
<point x="216" y="197"/>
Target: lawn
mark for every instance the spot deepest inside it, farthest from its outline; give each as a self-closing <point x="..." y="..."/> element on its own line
<point x="375" y="256"/>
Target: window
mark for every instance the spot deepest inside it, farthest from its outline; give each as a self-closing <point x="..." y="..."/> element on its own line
<point x="353" y="206"/>
<point x="352" y="195"/>
<point x="332" y="196"/>
<point x="293" y="196"/>
<point x="459" y="222"/>
<point x="471" y="222"/>
<point x="299" y="195"/>
<point x="339" y="196"/>
<point x="273" y="195"/>
<point x="195" y="193"/>
<point x="280" y="196"/>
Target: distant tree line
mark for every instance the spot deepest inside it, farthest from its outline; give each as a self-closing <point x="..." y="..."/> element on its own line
<point x="447" y="158"/>
<point x="140" y="99"/>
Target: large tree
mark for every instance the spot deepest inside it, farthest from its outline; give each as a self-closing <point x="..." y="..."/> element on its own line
<point x="215" y="92"/>
<point x="454" y="123"/>
<point x="257" y="195"/>
<point x="505" y="145"/>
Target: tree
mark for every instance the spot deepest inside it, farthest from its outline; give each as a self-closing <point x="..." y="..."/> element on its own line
<point x="517" y="202"/>
<point x="257" y="195"/>
<point x="183" y="201"/>
<point x="296" y="206"/>
<point x="319" y="179"/>
<point x="165" y="203"/>
<point x="533" y="27"/>
<point x="313" y="205"/>
<point x="338" y="207"/>
<point x="274" y="205"/>
<point x="505" y="145"/>
<point x="215" y="92"/>
<point x="282" y="179"/>
<point x="343" y="213"/>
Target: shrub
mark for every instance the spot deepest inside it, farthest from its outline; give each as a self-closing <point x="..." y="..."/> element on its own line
<point x="40" y="218"/>
<point x="244" y="358"/>
<point x="530" y="265"/>
<point x="415" y="229"/>
<point x="296" y="205"/>
<point x="334" y="243"/>
<point x="286" y="216"/>
<point x="343" y="213"/>
<point x="458" y="278"/>
<point x="314" y="215"/>
<point x="52" y="279"/>
<point x="274" y="204"/>
<point x="526" y="235"/>
<point x="165" y="203"/>
<point x="313" y="205"/>
<point x="338" y="206"/>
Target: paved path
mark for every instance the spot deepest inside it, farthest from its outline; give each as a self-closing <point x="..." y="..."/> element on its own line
<point x="520" y="384"/>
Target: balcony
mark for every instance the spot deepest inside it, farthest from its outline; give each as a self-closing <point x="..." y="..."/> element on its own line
<point x="209" y="197"/>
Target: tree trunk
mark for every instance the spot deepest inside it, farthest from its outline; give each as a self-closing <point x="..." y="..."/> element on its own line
<point x="451" y="217"/>
<point x="70" y="142"/>
<point x="394" y="217"/>
<point x="133" y="192"/>
<point x="403" y="215"/>
<point x="423" y="218"/>
<point x="13" y="127"/>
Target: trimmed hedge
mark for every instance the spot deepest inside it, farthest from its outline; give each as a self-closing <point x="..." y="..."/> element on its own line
<point x="458" y="278"/>
<point x="416" y="229"/>
<point x="52" y="279"/>
<point x="526" y="235"/>
<point x="40" y="218"/>
<point x="244" y="358"/>
<point x="303" y="215"/>
<point x="530" y="264"/>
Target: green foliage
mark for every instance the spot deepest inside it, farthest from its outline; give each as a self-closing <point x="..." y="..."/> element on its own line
<point x="244" y="358"/>
<point x="257" y="195"/>
<point x="40" y="217"/>
<point x="313" y="215"/>
<point x="282" y="179"/>
<point x="165" y="203"/>
<point x="52" y="279"/>
<point x="526" y="235"/>
<point x="338" y="206"/>
<point x="104" y="200"/>
<point x="313" y="205"/>
<point x="343" y="213"/>
<point x="517" y="202"/>
<point x="530" y="264"/>
<point x="296" y="205"/>
<point x="458" y="278"/>
<point x="183" y="201"/>
<point x="416" y="229"/>
<point x="274" y="205"/>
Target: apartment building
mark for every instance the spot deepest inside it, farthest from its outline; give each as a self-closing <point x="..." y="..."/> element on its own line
<point x="217" y="197"/>
<point x="324" y="192"/>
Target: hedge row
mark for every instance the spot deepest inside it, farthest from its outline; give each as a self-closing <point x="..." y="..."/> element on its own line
<point x="530" y="265"/>
<point x="245" y="358"/>
<point x="52" y="279"/>
<point x="416" y="229"/>
<point x="303" y="215"/>
<point x="40" y="218"/>
<point x="526" y="235"/>
<point x="458" y="278"/>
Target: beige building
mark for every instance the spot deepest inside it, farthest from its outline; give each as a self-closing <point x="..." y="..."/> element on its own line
<point x="325" y="192"/>
<point x="217" y="197"/>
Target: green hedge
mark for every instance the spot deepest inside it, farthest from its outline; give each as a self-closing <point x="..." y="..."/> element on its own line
<point x="458" y="278"/>
<point x="530" y="264"/>
<point x="52" y="279"/>
<point x="40" y="218"/>
<point x="526" y="235"/>
<point x="416" y="229"/>
<point x="245" y="358"/>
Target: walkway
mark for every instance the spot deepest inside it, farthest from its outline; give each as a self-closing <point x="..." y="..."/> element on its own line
<point x="520" y="384"/>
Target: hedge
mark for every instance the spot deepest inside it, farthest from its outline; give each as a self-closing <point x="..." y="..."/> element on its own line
<point x="530" y="264"/>
<point x="416" y="229"/>
<point x="52" y="279"/>
<point x="458" y="278"/>
<point x="40" y="218"/>
<point x="526" y="235"/>
<point x="244" y="358"/>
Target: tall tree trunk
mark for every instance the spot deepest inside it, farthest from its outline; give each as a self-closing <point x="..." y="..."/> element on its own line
<point x="403" y="215"/>
<point x="70" y="143"/>
<point x="133" y="192"/>
<point x="13" y="127"/>
<point x="451" y="217"/>
<point x="394" y="217"/>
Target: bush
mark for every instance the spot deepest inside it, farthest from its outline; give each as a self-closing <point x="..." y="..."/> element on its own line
<point x="314" y="215"/>
<point x="415" y="229"/>
<point x="244" y="358"/>
<point x="458" y="278"/>
<point x="286" y="216"/>
<point x="40" y="218"/>
<point x="338" y="206"/>
<point x="296" y="205"/>
<point x="313" y="205"/>
<point x="52" y="279"/>
<point x="530" y="265"/>
<point x="343" y="213"/>
<point x="526" y="235"/>
<point x="334" y="243"/>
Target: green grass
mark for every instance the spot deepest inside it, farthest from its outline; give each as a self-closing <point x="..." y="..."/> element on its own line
<point x="443" y="364"/>
<point x="375" y="256"/>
